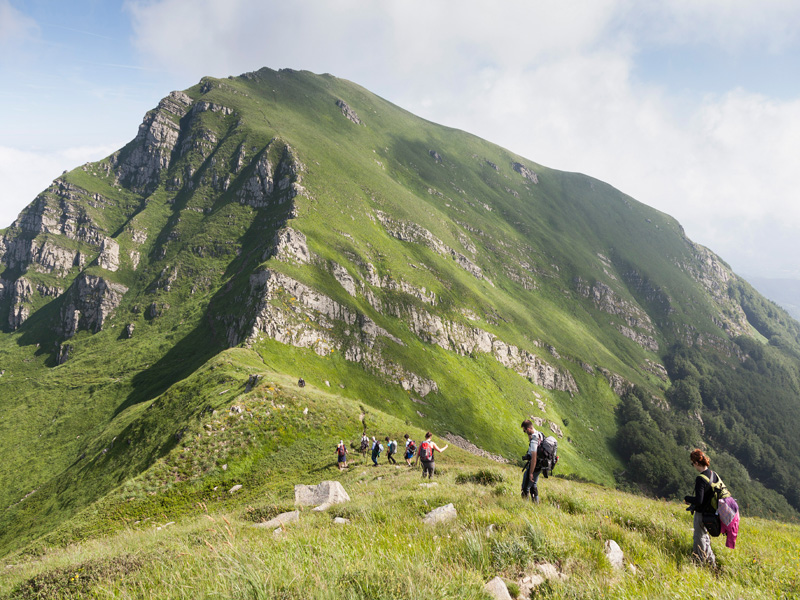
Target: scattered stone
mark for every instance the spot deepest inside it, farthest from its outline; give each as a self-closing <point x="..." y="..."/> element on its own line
<point x="327" y="492"/>
<point x="429" y="485"/>
<point x="341" y="521"/>
<point x="614" y="554"/>
<point x="497" y="589"/>
<point x="442" y="514"/>
<point x="490" y="530"/>
<point x="550" y="572"/>
<point x="129" y="330"/>
<point x="528" y="583"/>
<point x="225" y="467"/>
<point x="281" y="520"/>
<point x="235" y="488"/>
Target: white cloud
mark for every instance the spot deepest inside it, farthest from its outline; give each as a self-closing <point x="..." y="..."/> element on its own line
<point x="25" y="174"/>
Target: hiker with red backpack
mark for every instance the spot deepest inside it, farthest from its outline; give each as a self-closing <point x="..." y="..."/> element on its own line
<point x="411" y="449"/>
<point x="341" y="455"/>
<point x="709" y="492"/>
<point x="425" y="456"/>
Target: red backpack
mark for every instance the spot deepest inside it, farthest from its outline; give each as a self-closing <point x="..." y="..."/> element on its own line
<point x="426" y="450"/>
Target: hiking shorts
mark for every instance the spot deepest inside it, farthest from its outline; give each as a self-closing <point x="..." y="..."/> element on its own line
<point x="428" y="467"/>
<point x="409" y="455"/>
<point x="342" y="458"/>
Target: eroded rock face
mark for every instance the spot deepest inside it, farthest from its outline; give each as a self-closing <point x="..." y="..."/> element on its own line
<point x="407" y="231"/>
<point x="637" y="324"/>
<point x="525" y="172"/>
<point x="295" y="314"/>
<point x="271" y="184"/>
<point x="109" y="255"/>
<point x="139" y="166"/>
<point x="290" y="245"/>
<point x="89" y="302"/>
<point x="349" y="112"/>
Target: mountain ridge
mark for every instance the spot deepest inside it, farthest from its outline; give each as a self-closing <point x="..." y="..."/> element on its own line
<point x="434" y="274"/>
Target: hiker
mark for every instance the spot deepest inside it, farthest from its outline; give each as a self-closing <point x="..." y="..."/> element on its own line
<point x="301" y="382"/>
<point x="411" y="449"/>
<point x="425" y="456"/>
<point x="391" y="450"/>
<point x="341" y="455"/>
<point x="530" y="472"/>
<point x="364" y="445"/>
<point x="701" y="503"/>
<point x="377" y="448"/>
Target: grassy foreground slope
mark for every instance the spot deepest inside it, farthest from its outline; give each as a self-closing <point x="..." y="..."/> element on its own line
<point x="386" y="551"/>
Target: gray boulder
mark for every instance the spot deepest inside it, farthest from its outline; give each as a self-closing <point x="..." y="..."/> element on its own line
<point x="324" y="495"/>
<point x="614" y="554"/>
<point x="440" y="515"/>
<point x="497" y="589"/>
<point x="281" y="520"/>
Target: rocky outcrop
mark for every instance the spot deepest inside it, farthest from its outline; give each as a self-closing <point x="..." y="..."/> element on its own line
<point x="290" y="245"/>
<point x="465" y="444"/>
<point x="292" y="313"/>
<point x="618" y="383"/>
<point x="715" y="276"/>
<point x="605" y="299"/>
<point x="466" y="340"/>
<point x="20" y="292"/>
<point x="271" y="184"/>
<point x="349" y="112"/>
<point x="139" y="165"/>
<point x="406" y="231"/>
<point x="109" y="255"/>
<point x="88" y="304"/>
<point x="525" y="172"/>
<point x="394" y="285"/>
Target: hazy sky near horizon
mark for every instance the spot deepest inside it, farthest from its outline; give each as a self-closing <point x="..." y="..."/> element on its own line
<point x="690" y="107"/>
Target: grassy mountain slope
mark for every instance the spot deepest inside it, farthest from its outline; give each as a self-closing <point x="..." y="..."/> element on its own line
<point x="322" y="232"/>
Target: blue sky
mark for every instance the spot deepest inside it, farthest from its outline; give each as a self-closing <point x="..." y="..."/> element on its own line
<point x="691" y="107"/>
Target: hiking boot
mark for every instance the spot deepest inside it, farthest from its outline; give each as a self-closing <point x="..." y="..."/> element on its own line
<point x="535" y="499"/>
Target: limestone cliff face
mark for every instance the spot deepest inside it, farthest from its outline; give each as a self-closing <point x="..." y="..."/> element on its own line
<point x="636" y="323"/>
<point x="88" y="304"/>
<point x="271" y="184"/>
<point x="715" y="276"/>
<point x="139" y="165"/>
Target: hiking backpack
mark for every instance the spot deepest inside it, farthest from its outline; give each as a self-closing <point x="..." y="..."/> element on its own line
<point x="718" y="490"/>
<point x="412" y="447"/>
<point x="426" y="451"/>
<point x="341" y="450"/>
<point x="547" y="455"/>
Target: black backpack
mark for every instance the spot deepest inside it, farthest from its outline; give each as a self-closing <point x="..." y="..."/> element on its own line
<point x="547" y="455"/>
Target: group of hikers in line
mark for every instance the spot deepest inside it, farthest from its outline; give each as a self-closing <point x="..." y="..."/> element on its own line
<point x="424" y="455"/>
<point x="715" y="511"/>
